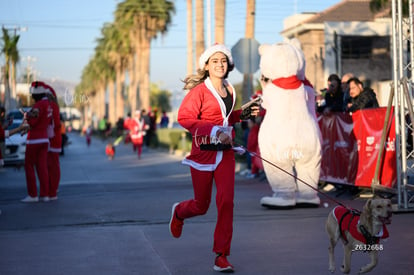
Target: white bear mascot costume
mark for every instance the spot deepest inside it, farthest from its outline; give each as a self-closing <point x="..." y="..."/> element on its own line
<point x="289" y="135"/>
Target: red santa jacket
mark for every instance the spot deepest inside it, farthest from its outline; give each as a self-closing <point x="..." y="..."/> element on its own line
<point x="202" y="112"/>
<point x="38" y="125"/>
<point x="137" y="130"/>
<point x="110" y="150"/>
<point x="349" y="222"/>
<point x="56" y="141"/>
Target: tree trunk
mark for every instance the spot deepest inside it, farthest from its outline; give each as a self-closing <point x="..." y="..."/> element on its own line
<point x="119" y="93"/>
<point x="7" y="85"/>
<point x="133" y="84"/>
<point x="102" y="102"/>
<point x="190" y="55"/>
<point x="199" y="5"/>
<point x="250" y="19"/>
<point x="14" y="98"/>
<point x="219" y="15"/>
<point x="138" y="75"/>
<point x="144" y="85"/>
<point x="86" y="117"/>
<point x="111" y="102"/>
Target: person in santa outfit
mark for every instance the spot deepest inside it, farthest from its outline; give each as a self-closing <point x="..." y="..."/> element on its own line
<point x="55" y="145"/>
<point x="137" y="131"/>
<point x="252" y="141"/>
<point x="37" y="143"/>
<point x="127" y="127"/>
<point x="207" y="112"/>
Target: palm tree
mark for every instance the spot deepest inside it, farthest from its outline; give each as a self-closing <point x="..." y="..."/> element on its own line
<point x="219" y="15"/>
<point x="144" y="20"/>
<point x="94" y="81"/>
<point x="199" y="22"/>
<point x="104" y="48"/>
<point x="117" y="52"/>
<point x="11" y="55"/>
<point x="381" y="5"/>
<point x="14" y="58"/>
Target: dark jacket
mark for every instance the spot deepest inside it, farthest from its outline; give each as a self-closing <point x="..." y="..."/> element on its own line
<point x="334" y="102"/>
<point x="366" y="99"/>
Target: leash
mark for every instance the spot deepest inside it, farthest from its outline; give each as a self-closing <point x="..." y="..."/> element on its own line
<point x="294" y="176"/>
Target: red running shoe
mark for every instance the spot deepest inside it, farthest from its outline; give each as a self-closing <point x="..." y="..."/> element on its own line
<point x="176" y="224"/>
<point x="222" y="265"/>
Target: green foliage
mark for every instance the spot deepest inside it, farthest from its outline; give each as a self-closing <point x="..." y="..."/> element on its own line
<point x="160" y="99"/>
<point x="380" y="5"/>
<point x="174" y="139"/>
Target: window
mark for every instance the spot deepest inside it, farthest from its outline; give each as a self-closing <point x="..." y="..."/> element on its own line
<point x="356" y="47"/>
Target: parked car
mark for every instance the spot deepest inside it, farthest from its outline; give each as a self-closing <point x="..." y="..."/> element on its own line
<point x="17" y="114"/>
<point x="15" y="146"/>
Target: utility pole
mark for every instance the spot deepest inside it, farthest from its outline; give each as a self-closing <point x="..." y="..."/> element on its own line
<point x="190" y="49"/>
<point x="249" y="33"/>
<point x="208" y="23"/>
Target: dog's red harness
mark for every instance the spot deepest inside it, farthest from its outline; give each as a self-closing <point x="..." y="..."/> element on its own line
<point x="349" y="221"/>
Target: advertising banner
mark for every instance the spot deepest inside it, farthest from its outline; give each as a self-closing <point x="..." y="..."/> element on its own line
<point x="350" y="148"/>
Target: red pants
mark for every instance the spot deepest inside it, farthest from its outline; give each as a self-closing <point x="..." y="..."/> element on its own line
<point x="138" y="148"/>
<point x="53" y="166"/>
<point x="36" y="155"/>
<point x="203" y="184"/>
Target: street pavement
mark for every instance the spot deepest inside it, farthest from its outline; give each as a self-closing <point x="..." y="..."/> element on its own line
<point x="112" y="218"/>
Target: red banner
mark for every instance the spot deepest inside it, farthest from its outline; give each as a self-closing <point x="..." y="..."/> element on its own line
<point x="351" y="145"/>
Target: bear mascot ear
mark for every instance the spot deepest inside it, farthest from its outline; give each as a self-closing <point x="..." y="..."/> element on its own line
<point x="278" y="60"/>
<point x="301" y="57"/>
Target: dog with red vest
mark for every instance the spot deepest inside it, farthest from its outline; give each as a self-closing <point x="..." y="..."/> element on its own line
<point x="359" y="231"/>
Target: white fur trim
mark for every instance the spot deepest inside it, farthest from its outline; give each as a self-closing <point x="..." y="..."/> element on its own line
<point x="204" y="167"/>
<point x="210" y="86"/>
<point x="55" y="150"/>
<point x="40" y="88"/>
<point x="212" y="50"/>
<point x="37" y="141"/>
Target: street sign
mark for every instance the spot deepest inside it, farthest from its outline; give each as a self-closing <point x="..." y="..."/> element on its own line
<point x="246" y="55"/>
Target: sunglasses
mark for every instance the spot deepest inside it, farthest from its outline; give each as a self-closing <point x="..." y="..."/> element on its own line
<point x="265" y="79"/>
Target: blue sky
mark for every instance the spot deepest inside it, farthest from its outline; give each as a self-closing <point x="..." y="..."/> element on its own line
<point x="57" y="37"/>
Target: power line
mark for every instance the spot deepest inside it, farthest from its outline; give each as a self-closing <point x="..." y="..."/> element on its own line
<point x="93" y="48"/>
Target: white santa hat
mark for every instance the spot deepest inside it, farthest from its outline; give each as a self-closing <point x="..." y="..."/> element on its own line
<point x="212" y="50"/>
<point x="39" y="87"/>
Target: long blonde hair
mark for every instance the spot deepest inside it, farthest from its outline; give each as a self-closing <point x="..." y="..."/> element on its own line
<point x="194" y="79"/>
